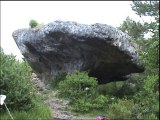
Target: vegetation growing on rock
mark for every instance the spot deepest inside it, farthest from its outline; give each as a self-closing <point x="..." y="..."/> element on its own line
<point x="33" y="23"/>
<point x="137" y="98"/>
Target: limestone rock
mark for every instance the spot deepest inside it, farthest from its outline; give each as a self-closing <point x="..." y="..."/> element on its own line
<point x="65" y="46"/>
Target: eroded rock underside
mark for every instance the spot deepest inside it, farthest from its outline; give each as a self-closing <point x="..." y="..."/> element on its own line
<point x="64" y="46"/>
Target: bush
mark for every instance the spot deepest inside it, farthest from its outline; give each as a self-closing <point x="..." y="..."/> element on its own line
<point x="99" y="102"/>
<point x="41" y="111"/>
<point x="110" y="88"/>
<point x="122" y="109"/>
<point x="81" y="105"/>
<point x="15" y="83"/>
<point x="119" y="89"/>
<point x="80" y="90"/>
<point x="148" y="99"/>
<point x="85" y="105"/>
<point x="33" y="23"/>
<point x="74" y="86"/>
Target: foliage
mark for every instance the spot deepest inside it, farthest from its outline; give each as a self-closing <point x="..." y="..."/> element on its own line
<point x="150" y="84"/>
<point x="33" y="23"/>
<point x="133" y="108"/>
<point x="118" y="89"/>
<point x="15" y="83"/>
<point x="74" y="86"/>
<point x="40" y="112"/>
<point x="146" y="99"/>
<point x="80" y="90"/>
<point x="81" y="105"/>
<point x="137" y="98"/>
<point x="147" y="8"/>
<point x="108" y="89"/>
<point x="150" y="46"/>
<point x="122" y="109"/>
<point x="150" y="55"/>
<point x="134" y="29"/>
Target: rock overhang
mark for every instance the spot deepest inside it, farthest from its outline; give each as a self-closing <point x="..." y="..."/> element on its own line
<point x="65" y="46"/>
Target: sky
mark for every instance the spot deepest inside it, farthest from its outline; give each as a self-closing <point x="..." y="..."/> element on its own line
<point x="17" y="14"/>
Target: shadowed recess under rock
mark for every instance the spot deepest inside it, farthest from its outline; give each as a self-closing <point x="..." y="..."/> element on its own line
<point x="64" y="46"/>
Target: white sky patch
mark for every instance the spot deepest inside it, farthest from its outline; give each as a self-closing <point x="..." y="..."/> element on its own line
<point x="17" y="14"/>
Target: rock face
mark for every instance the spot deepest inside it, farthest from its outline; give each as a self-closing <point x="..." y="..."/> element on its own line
<point x="64" y="46"/>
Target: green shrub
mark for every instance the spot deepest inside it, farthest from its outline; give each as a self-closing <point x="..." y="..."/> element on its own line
<point x="119" y="89"/>
<point x="99" y="102"/>
<point x="81" y="105"/>
<point x="140" y="111"/>
<point x="148" y="99"/>
<point x="85" y="105"/>
<point x="81" y="91"/>
<point x="41" y="111"/>
<point x="15" y="82"/>
<point x="150" y="83"/>
<point x="33" y="23"/>
<point x="73" y="87"/>
<point x="151" y="116"/>
<point x="111" y="88"/>
<point x="120" y="110"/>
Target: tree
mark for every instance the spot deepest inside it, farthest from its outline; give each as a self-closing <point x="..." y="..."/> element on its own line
<point x="134" y="29"/>
<point x="147" y="83"/>
<point x="15" y="82"/>
<point x="151" y="47"/>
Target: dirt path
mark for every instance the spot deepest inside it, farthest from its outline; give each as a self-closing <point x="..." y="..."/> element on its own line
<point x="58" y="106"/>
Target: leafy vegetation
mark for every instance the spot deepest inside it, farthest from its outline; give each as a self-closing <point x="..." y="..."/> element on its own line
<point x="137" y="98"/>
<point x="39" y="112"/>
<point x="33" y="23"/>
<point x="122" y="109"/>
<point x="15" y="83"/>
<point x="81" y="91"/>
<point x="147" y="92"/>
<point x="21" y="99"/>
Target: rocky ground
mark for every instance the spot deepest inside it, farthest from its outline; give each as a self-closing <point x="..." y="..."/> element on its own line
<point x="58" y="106"/>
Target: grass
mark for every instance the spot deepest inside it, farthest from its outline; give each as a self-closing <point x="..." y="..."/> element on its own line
<point x="93" y="113"/>
<point x="40" y="112"/>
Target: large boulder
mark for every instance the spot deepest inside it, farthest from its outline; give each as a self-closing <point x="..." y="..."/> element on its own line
<point x="64" y="46"/>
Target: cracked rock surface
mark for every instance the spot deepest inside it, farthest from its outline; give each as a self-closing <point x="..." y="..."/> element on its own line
<point x="64" y="46"/>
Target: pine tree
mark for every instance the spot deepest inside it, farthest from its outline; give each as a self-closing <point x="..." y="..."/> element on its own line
<point x="147" y="83"/>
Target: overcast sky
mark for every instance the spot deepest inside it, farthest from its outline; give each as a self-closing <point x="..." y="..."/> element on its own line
<point x="17" y="14"/>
